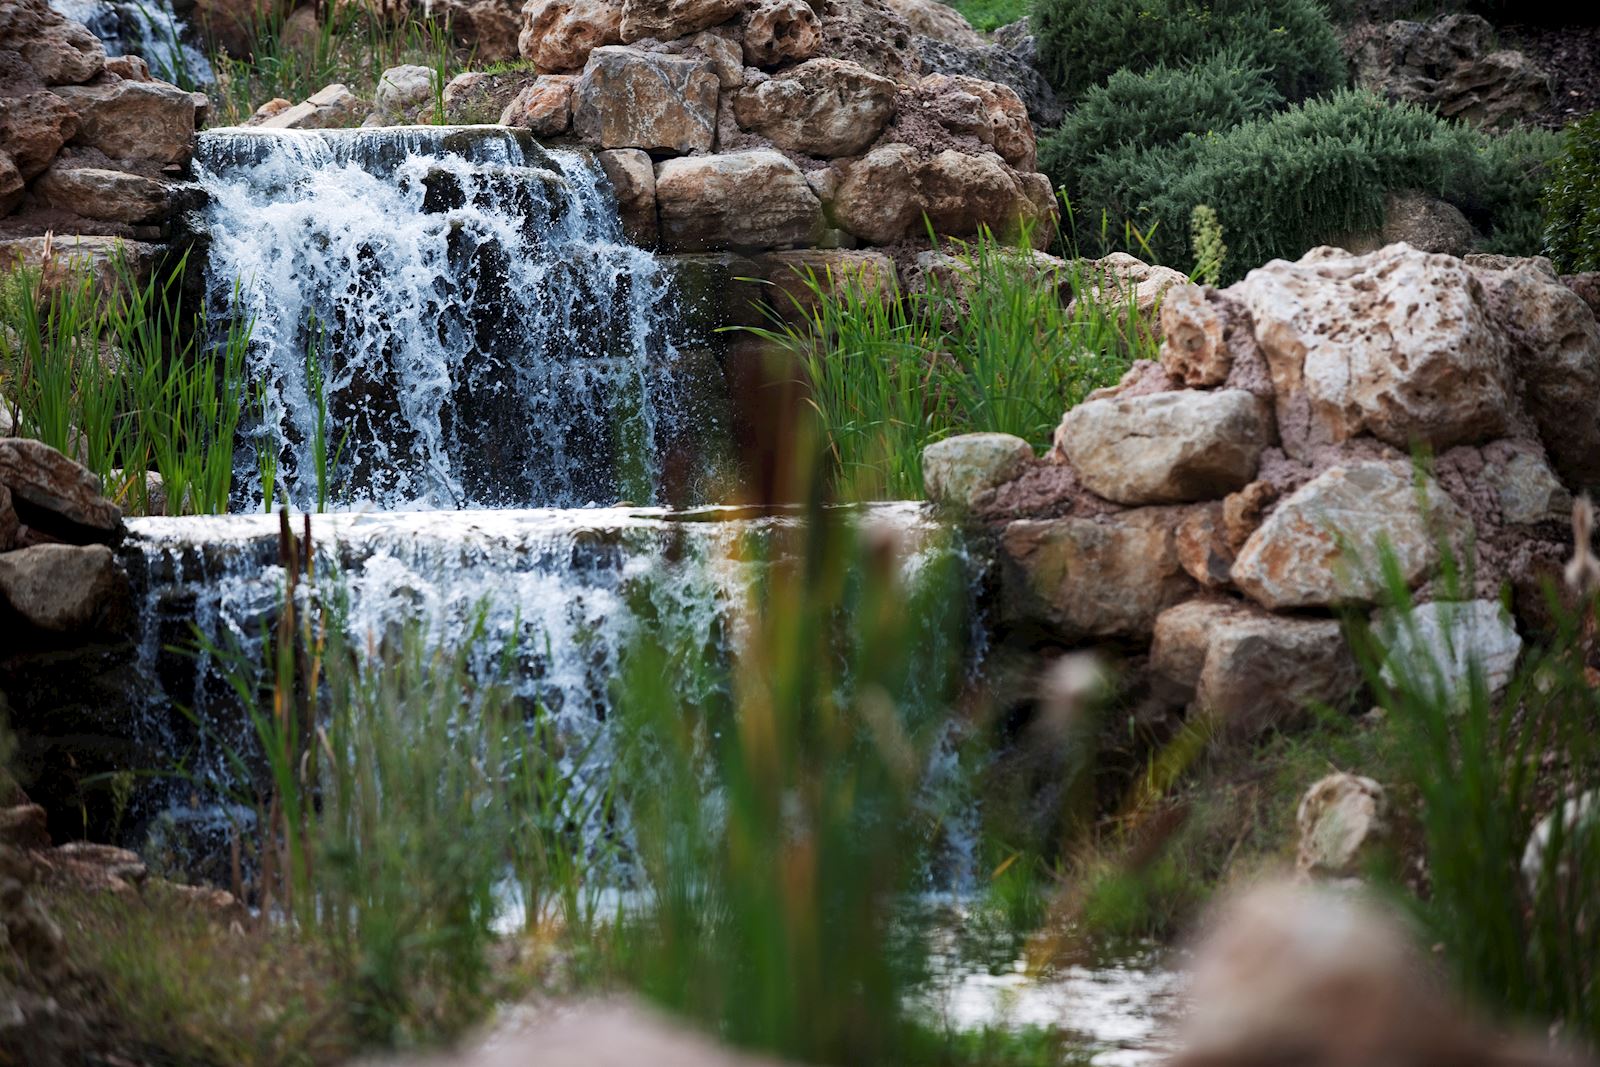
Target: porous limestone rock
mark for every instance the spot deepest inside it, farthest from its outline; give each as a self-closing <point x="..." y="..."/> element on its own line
<point x="1248" y="669"/>
<point x="667" y="20"/>
<point x="1192" y="348"/>
<point x="331" y="107"/>
<point x="1321" y="546"/>
<point x="40" y="46"/>
<point x="886" y="194"/>
<point x="1102" y="576"/>
<point x="1009" y="64"/>
<point x="33" y="127"/>
<point x="558" y="35"/>
<point x="780" y="31"/>
<point x="1343" y="820"/>
<point x="63" y="589"/>
<point x="1001" y="118"/>
<point x="956" y="469"/>
<point x="633" y="182"/>
<point x="545" y="106"/>
<point x="53" y="494"/>
<point x="1166" y="448"/>
<point x="97" y="193"/>
<point x="870" y="33"/>
<point x="404" y="93"/>
<point x="629" y="98"/>
<point x="791" y="276"/>
<point x="12" y="186"/>
<point x="1399" y="344"/>
<point x="1437" y="645"/>
<point x="823" y="107"/>
<point x="133" y="121"/>
<point x="742" y="200"/>
<point x="1450" y="64"/>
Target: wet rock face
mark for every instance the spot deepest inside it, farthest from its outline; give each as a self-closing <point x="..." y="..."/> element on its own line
<point x="658" y="103"/>
<point x="633" y="182"/>
<point x="791" y="274"/>
<point x="1451" y="64"/>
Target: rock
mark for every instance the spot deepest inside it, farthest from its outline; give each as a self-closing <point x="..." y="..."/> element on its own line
<point x="545" y="107"/>
<point x="930" y="18"/>
<point x="823" y="107"/>
<point x="272" y="108"/>
<point x="1248" y="669"/>
<point x="1579" y="817"/>
<point x="1526" y="489"/>
<point x="489" y="28"/>
<point x="886" y="194"/>
<point x="1554" y="350"/>
<point x="1011" y="66"/>
<point x="10" y="525"/>
<point x="956" y="469"/>
<point x="478" y="98"/>
<point x="1002" y="119"/>
<point x="872" y="34"/>
<point x="24" y="826"/>
<point x="744" y="200"/>
<point x="1435" y="647"/>
<point x="1192" y="348"/>
<point x="12" y="186"/>
<point x="957" y="278"/>
<point x="33" y="128"/>
<point x="404" y="93"/>
<point x="633" y="99"/>
<point x="1103" y="576"/>
<point x="1166" y="448"/>
<point x="723" y="46"/>
<point x="1428" y="223"/>
<point x="1587" y="286"/>
<point x="1399" y="344"/>
<point x="1121" y="281"/>
<point x="790" y="276"/>
<point x="667" y="20"/>
<point x="1203" y="547"/>
<point x="111" y="195"/>
<point x="134" y="121"/>
<point x="64" y="589"/>
<point x="1450" y="64"/>
<point x="1343" y="820"/>
<point x="1320" y="548"/>
<point x="330" y="108"/>
<point x="558" y="35"/>
<point x="53" y="494"/>
<point x="61" y="257"/>
<point x="633" y="181"/>
<point x="40" y="46"/>
<point x="780" y="31"/>
<point x="86" y="865"/>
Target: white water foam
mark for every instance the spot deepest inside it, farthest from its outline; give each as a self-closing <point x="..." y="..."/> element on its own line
<point x="149" y="29"/>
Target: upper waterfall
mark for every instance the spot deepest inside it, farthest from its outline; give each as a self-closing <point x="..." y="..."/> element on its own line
<point x="444" y="317"/>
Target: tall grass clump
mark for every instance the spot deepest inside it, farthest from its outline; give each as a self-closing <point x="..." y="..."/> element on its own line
<point x="1514" y="915"/>
<point x="1571" y="208"/>
<point x="121" y="376"/>
<point x="775" y="795"/>
<point x="995" y="339"/>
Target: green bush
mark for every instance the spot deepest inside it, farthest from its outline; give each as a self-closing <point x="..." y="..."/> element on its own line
<point x="1314" y="174"/>
<point x="1083" y="42"/>
<point x="1572" y="199"/>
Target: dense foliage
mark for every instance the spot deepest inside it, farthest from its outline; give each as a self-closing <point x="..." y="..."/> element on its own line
<point x="1572" y="199"/>
<point x="1082" y="42"/>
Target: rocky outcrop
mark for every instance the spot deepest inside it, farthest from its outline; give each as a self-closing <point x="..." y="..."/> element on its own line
<point x="1451" y="65"/>
<point x="1343" y="821"/>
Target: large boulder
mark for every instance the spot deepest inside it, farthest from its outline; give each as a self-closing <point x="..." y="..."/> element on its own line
<point x="1249" y="670"/>
<point x="956" y="469"/>
<point x="629" y="98"/>
<point x="1424" y="222"/>
<point x="1167" y="448"/>
<point x="931" y="18"/>
<point x="41" y="47"/>
<point x="666" y="20"/>
<point x="64" y="589"/>
<point x="887" y="194"/>
<point x="404" y="94"/>
<point x="1343" y="820"/>
<point x="1398" y="344"/>
<point x="743" y="200"/>
<point x="1451" y="65"/>
<point x="1436" y="647"/>
<point x="558" y="35"/>
<point x="1109" y="575"/>
<point x="33" y="127"/>
<point x="96" y="193"/>
<point x="633" y="183"/>
<point x="780" y="31"/>
<point x="1322" y="546"/>
<point x="134" y="121"/>
<point x="544" y="106"/>
<point x="1008" y="65"/>
<point x="55" y="496"/>
<point x="823" y="107"/>
<point x="1001" y="119"/>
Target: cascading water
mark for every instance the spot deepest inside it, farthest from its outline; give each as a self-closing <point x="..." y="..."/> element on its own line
<point x="444" y="317"/>
<point x="149" y="29"/>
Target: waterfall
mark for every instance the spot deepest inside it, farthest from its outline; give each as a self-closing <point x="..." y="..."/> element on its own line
<point x="149" y="29"/>
<point x="444" y="317"/>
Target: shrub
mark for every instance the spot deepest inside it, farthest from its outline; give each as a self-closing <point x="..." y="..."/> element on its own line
<point x="1082" y="42"/>
<point x="1571" y="204"/>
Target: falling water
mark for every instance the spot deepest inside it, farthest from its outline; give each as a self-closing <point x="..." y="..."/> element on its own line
<point x="444" y="317"/>
<point x="149" y="29"/>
